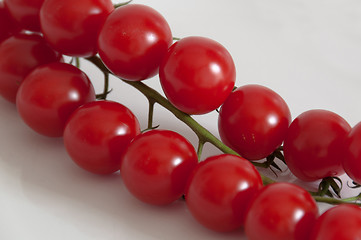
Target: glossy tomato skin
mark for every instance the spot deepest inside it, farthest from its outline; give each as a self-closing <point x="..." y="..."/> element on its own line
<point x="133" y="41"/>
<point x="219" y="191"/>
<point x="339" y="222"/>
<point x="26" y="12"/>
<point x="281" y="211"/>
<point x="11" y="26"/>
<point x="156" y="166"/>
<point x="20" y="54"/>
<point x="254" y="121"/>
<point x="73" y="28"/>
<point x="50" y="94"/>
<point x="98" y="133"/>
<point x="352" y="158"/>
<point x="197" y="75"/>
<point x="312" y="147"/>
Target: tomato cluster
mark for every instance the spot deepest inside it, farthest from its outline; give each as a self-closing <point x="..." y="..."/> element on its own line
<point x="197" y="74"/>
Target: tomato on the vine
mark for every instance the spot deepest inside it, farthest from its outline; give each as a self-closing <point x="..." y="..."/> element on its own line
<point x="254" y="121"/>
<point x="352" y="155"/>
<point x="281" y="211"/>
<point x="133" y="42"/>
<point x="197" y="75"/>
<point x="97" y="135"/>
<point x="20" y="54"/>
<point x="26" y="12"/>
<point x="342" y="222"/>
<point x="50" y="94"/>
<point x="156" y="166"/>
<point x="220" y="190"/>
<point x="72" y="28"/>
<point x="313" y="145"/>
<point x="11" y="26"/>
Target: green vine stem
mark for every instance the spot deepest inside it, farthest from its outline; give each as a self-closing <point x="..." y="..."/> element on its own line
<point x="203" y="134"/>
<point x="336" y="201"/>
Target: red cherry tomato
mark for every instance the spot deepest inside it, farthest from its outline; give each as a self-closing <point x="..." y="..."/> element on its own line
<point x="9" y="26"/>
<point x="342" y="222"/>
<point x="281" y="211"/>
<point x="312" y="147"/>
<point x="72" y="28"/>
<point x="352" y="157"/>
<point x="133" y="41"/>
<point x="254" y="121"/>
<point x="49" y="95"/>
<point x="97" y="135"/>
<point x="197" y="75"/>
<point x="26" y="12"/>
<point x="156" y="166"/>
<point x="20" y="54"/>
<point x="219" y="191"/>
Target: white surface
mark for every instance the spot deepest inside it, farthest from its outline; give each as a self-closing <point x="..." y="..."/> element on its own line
<point x="307" y="51"/>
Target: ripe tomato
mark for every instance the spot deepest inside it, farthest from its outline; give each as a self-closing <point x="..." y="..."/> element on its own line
<point x="254" y="121"/>
<point x="11" y="26"/>
<point x="342" y="222"/>
<point x="219" y="191"/>
<point x="156" y="166"/>
<point x="352" y="157"/>
<point x="197" y="75"/>
<point x="281" y="211"/>
<point x="72" y="28"/>
<point x="98" y="133"/>
<point x="133" y="41"/>
<point x="20" y="54"/>
<point x="312" y="145"/>
<point x="49" y="95"/>
<point x="26" y="12"/>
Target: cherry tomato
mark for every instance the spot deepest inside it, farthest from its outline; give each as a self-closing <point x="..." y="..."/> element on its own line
<point x="281" y="211"/>
<point x="133" y="41"/>
<point x="312" y="147"/>
<point x="254" y="121"/>
<point x="342" y="222"/>
<point x="26" y="12"/>
<point x="156" y="166"/>
<point x="219" y="191"/>
<point x="197" y="75"/>
<point x="20" y="54"/>
<point x="98" y="133"/>
<point x="49" y="95"/>
<point x="11" y="26"/>
<point x="352" y="158"/>
<point x="72" y="28"/>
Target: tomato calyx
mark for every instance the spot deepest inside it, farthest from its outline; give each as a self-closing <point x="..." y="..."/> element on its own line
<point x="271" y="163"/>
<point x="329" y="186"/>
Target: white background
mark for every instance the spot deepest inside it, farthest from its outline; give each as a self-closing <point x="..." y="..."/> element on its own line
<point x="307" y="51"/>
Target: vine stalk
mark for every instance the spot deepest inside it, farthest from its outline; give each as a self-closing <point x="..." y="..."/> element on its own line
<point x="203" y="134"/>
